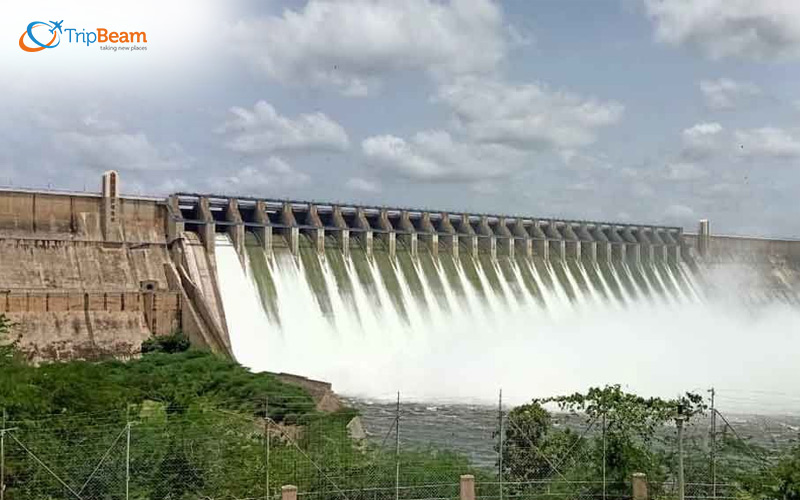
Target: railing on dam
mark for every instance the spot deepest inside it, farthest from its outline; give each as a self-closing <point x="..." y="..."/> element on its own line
<point x="447" y="231"/>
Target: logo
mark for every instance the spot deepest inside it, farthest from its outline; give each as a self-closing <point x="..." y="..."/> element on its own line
<point x="55" y="30"/>
<point x="40" y="35"/>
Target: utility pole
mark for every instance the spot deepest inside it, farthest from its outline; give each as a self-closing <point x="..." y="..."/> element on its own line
<point x="397" y="450"/>
<point x="679" y="419"/>
<point x="500" y="447"/>
<point x="713" y="446"/>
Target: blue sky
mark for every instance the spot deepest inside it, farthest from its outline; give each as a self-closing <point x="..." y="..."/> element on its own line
<point x="651" y="111"/>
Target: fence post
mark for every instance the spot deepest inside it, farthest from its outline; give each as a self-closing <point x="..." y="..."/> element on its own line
<point x="266" y="445"/>
<point x="289" y="492"/>
<point x="467" y="487"/>
<point x="639" y="486"/>
<point x="3" y="457"/>
<point x="128" y="462"/>
<point x="604" y="455"/>
<point x="679" y="419"/>
<point x="397" y="451"/>
<point x="500" y="445"/>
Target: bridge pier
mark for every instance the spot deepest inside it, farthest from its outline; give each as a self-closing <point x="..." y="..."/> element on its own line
<point x="449" y="234"/>
<point x="388" y="234"/>
<point x="318" y="232"/>
<point x="409" y="233"/>
<point x="468" y="235"/>
<point x="703" y="237"/>
<point x="263" y="229"/>
<point x="505" y="237"/>
<point x="235" y="228"/>
<point x="365" y="234"/>
<point x="208" y="228"/>
<point x="176" y="224"/>
<point x="343" y="233"/>
<point x="541" y="245"/>
<point x="290" y="231"/>
<point x="522" y="239"/>
<point x="489" y="240"/>
<point x="472" y="233"/>
<point x="428" y="234"/>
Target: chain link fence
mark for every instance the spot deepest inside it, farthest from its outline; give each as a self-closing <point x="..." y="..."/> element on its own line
<point x="383" y="451"/>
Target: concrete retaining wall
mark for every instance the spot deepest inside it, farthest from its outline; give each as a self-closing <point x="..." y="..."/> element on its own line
<point x="67" y="324"/>
<point x="79" y="217"/>
<point x="91" y="275"/>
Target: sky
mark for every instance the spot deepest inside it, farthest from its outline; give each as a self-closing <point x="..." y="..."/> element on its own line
<point x="641" y="111"/>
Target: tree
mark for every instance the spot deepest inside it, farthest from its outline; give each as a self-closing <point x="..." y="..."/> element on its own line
<point x="8" y="349"/>
<point x="788" y="474"/>
<point x="526" y="430"/>
<point x="627" y="435"/>
<point x="632" y="425"/>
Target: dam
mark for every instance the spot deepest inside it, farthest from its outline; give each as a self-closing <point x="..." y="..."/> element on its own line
<point x="377" y="299"/>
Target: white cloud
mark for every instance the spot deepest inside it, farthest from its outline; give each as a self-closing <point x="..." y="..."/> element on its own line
<point x="678" y="211"/>
<point x="682" y="171"/>
<point x="497" y="127"/>
<point x="435" y="156"/>
<point x="353" y="44"/>
<point x="768" y="142"/>
<point x="526" y="116"/>
<point x="642" y="190"/>
<point x="702" y="129"/>
<point x="262" y="130"/>
<point x="363" y="185"/>
<point x="701" y="141"/>
<point x="105" y="144"/>
<point x="725" y="93"/>
<point x="270" y="175"/>
<point x="756" y="30"/>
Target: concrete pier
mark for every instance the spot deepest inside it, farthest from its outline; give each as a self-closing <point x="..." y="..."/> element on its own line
<point x="428" y="234"/>
<point x="505" y="237"/>
<point x="365" y="234"/>
<point x="460" y="234"/>
<point x="315" y="229"/>
<point x="291" y="231"/>
<point x="522" y="239"/>
<point x="541" y="246"/>
<point x="468" y="235"/>
<point x="488" y="241"/>
<point x="449" y="236"/>
<point x="409" y="234"/>
<point x="342" y="231"/>
<point x="387" y="234"/>
<point x="261" y="227"/>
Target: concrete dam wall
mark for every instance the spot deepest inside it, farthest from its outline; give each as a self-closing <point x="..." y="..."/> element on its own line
<point x="90" y="275"/>
<point x="409" y="296"/>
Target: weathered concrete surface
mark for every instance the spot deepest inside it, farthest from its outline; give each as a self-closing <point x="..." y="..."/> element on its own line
<point x="84" y="276"/>
<point x="78" y="217"/>
<point x="57" y="264"/>
<point x="64" y="324"/>
<point x="322" y="392"/>
<point x="759" y="269"/>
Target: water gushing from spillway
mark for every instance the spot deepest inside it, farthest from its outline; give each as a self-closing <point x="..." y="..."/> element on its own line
<point x="443" y="327"/>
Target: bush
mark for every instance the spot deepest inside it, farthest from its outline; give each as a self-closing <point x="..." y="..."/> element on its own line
<point x="170" y="344"/>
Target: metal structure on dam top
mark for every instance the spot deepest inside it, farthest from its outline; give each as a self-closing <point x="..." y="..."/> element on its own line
<point x="448" y="231"/>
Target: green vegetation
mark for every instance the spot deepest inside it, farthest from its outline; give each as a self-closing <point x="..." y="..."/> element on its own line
<point x="195" y="426"/>
<point x="626" y="433"/>
<point x="170" y="344"/>
<point x="182" y="423"/>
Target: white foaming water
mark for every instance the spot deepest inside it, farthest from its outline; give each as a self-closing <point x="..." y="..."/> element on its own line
<point x="475" y="337"/>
